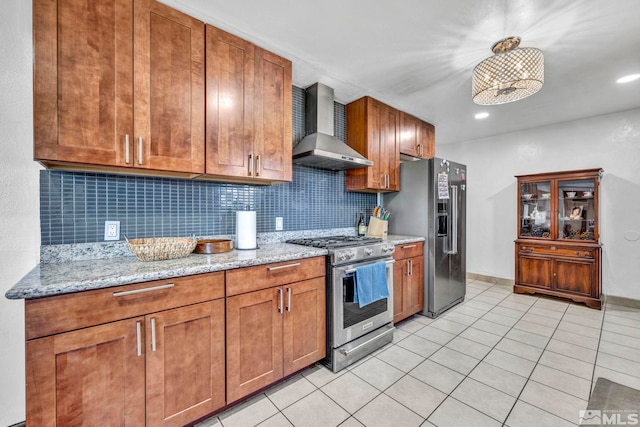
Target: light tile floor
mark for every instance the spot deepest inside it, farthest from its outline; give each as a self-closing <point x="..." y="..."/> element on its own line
<point x="497" y="359"/>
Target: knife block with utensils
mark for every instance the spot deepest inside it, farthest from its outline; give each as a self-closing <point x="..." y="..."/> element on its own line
<point x="377" y="227"/>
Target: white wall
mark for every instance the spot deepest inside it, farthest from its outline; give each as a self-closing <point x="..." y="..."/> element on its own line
<point x="19" y="209"/>
<point x="611" y="142"/>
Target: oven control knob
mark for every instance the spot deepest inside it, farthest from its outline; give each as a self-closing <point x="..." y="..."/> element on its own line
<point x="368" y="251"/>
<point x="350" y="255"/>
<point x="341" y="256"/>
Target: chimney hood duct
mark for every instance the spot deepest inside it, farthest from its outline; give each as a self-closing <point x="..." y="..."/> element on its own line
<point x="320" y="148"/>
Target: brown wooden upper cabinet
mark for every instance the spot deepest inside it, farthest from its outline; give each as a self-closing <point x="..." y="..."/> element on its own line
<point x="417" y="137"/>
<point x="248" y="119"/>
<point x="118" y="84"/>
<point x="373" y="131"/>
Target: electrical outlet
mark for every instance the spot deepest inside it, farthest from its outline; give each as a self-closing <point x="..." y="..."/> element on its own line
<point x="278" y="223"/>
<point x="112" y="230"/>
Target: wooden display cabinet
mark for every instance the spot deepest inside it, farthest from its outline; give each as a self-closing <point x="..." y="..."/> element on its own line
<point x="558" y="248"/>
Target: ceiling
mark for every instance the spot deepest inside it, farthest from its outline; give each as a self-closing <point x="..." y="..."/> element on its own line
<point x="418" y="55"/>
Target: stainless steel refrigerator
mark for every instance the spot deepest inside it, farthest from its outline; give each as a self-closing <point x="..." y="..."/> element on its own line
<point x="432" y="203"/>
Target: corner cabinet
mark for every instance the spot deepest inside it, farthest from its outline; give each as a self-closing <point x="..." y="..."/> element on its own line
<point x="557" y="250"/>
<point x="120" y="85"/>
<point x="373" y="130"/>
<point x="417" y="138"/>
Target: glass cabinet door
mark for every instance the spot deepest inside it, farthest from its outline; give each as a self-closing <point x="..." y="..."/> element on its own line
<point x="535" y="209"/>
<point x="576" y="209"/>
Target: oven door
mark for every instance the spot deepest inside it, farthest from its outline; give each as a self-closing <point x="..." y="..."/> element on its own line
<point x="349" y="320"/>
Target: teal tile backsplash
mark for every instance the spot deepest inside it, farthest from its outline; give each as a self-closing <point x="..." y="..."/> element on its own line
<point x="74" y="205"/>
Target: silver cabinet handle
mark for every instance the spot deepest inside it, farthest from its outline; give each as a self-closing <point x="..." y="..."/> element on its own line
<point x="153" y="334"/>
<point x="139" y="338"/>
<point x="387" y="332"/>
<point x="280" y="296"/>
<point x="258" y="165"/>
<point x="140" y="291"/>
<point x="421" y="150"/>
<point x="250" y="164"/>
<point x="126" y="149"/>
<point x="139" y="150"/>
<point x="280" y="267"/>
<point x="409" y="246"/>
<point x="288" y="299"/>
<point x="410" y="267"/>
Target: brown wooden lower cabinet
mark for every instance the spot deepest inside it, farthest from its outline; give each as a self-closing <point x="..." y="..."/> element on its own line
<point x="158" y="368"/>
<point x="408" y="280"/>
<point x="564" y="271"/>
<point x="272" y="333"/>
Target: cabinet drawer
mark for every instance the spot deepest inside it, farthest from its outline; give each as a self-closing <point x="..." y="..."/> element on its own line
<point x="68" y="312"/>
<point x="249" y="279"/>
<point x="408" y="250"/>
<point x="558" y="251"/>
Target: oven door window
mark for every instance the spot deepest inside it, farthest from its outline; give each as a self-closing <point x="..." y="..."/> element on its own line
<point x="352" y="312"/>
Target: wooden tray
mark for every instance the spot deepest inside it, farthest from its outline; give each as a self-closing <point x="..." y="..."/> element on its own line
<point x="213" y="246"/>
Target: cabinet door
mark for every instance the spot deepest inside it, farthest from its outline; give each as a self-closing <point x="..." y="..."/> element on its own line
<point x="91" y="377"/>
<point x="185" y="363"/>
<point x="414" y="293"/>
<point x="168" y="89"/>
<point x="400" y="271"/>
<point x="575" y="276"/>
<point x="304" y="324"/>
<point x="273" y="98"/>
<point x="230" y="116"/>
<point x="534" y="271"/>
<point x="83" y="81"/>
<point x="410" y="128"/>
<point x="254" y="341"/>
<point x="390" y="149"/>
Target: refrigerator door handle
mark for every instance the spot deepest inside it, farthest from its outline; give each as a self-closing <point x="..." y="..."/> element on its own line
<point x="453" y="222"/>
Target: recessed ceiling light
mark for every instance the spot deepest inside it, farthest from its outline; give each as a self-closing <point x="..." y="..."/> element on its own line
<point x="482" y="115"/>
<point x="629" y="78"/>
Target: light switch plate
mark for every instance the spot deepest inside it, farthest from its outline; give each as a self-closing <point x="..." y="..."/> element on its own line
<point x="278" y="223"/>
<point x="112" y="230"/>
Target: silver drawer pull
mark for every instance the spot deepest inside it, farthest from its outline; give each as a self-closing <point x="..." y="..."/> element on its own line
<point x="280" y="267"/>
<point x="140" y="291"/>
<point x="139" y="150"/>
<point x="409" y="246"/>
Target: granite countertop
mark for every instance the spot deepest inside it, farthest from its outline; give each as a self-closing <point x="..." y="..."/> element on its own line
<point x="74" y="276"/>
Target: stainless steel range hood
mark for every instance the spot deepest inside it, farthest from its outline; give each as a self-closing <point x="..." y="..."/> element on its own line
<point x="320" y="148"/>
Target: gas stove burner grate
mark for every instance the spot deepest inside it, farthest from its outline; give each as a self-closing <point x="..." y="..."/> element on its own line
<point x="332" y="242"/>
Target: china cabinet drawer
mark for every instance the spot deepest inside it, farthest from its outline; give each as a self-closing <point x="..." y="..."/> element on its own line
<point x="250" y="279"/>
<point x="558" y="251"/>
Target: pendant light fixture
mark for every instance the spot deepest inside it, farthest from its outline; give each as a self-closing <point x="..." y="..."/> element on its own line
<point x="511" y="74"/>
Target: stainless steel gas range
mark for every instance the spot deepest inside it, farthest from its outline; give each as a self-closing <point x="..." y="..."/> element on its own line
<point x="354" y="331"/>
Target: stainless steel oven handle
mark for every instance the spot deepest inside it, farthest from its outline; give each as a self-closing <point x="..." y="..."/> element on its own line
<point x="353" y="270"/>
<point x="346" y="352"/>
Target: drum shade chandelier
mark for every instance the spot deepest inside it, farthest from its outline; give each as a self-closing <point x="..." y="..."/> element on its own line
<point x="511" y="74"/>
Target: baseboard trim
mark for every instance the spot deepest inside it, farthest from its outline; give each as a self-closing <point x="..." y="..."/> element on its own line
<point x="627" y="302"/>
<point x="491" y="279"/>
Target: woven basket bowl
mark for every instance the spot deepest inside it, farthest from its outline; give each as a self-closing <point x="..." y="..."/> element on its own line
<point x="161" y="248"/>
